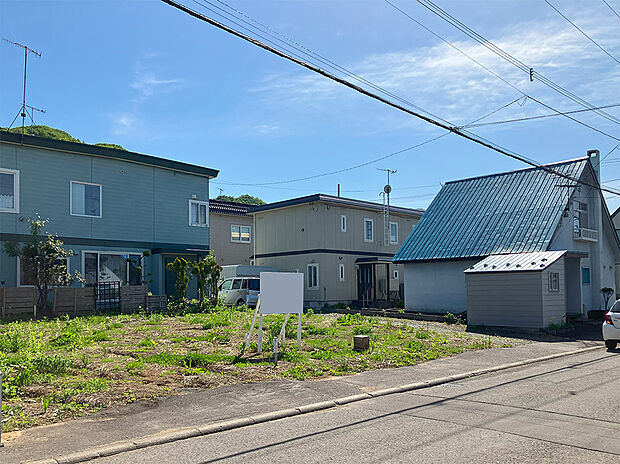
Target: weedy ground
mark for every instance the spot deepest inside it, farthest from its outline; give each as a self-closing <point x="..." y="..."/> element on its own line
<point x="63" y="368"/>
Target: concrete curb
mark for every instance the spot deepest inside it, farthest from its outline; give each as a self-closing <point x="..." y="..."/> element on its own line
<point x="192" y="432"/>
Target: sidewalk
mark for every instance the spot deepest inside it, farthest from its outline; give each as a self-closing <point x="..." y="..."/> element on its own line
<point x="201" y="407"/>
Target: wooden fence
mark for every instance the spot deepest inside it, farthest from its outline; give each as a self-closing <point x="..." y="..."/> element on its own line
<point x="75" y="300"/>
<point x="18" y="300"/>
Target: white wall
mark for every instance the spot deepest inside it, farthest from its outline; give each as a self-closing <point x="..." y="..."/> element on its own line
<point x="436" y="287"/>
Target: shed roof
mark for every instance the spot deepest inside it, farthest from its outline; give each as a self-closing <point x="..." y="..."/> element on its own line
<point x="516" y="262"/>
<point x="105" y="152"/>
<point x="510" y="212"/>
<point x="228" y="207"/>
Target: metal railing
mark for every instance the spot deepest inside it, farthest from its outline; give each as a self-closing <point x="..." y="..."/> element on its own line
<point x="589" y="235"/>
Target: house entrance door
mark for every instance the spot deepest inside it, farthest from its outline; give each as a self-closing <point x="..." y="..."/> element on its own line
<point x="365" y="282"/>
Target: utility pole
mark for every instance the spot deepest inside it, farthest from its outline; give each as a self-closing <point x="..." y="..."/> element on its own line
<point x="23" y="111"/>
<point x="387" y="189"/>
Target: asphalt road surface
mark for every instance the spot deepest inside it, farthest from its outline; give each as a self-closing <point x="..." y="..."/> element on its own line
<point x="563" y="411"/>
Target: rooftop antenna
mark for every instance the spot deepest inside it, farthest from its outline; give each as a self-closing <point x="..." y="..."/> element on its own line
<point x="221" y="190"/>
<point x="386" y="207"/>
<point x="23" y="110"/>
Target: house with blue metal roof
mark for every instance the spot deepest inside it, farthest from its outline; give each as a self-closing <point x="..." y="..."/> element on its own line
<point x="556" y="207"/>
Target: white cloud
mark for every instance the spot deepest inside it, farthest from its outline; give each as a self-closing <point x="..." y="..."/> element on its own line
<point x="147" y="84"/>
<point x="446" y="83"/>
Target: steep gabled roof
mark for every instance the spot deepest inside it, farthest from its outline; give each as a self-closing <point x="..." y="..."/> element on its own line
<point x="511" y="212"/>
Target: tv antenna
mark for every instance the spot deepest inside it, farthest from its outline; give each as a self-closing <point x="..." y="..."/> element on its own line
<point x="23" y="110"/>
<point x="386" y="210"/>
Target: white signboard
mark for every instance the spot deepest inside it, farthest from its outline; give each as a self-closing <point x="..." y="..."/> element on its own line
<point x="281" y="292"/>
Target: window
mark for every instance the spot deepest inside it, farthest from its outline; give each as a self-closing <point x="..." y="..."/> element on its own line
<point x="198" y="213"/>
<point x="9" y="191"/>
<point x="227" y="284"/>
<point x="25" y="273"/>
<point x="236" y="284"/>
<point x="107" y="267"/>
<point x="254" y="284"/>
<point x="585" y="275"/>
<point x="85" y="199"/>
<point x="368" y="230"/>
<point x="240" y="233"/>
<point x="313" y="276"/>
<point x="343" y="223"/>
<point x="393" y="232"/>
<point x="395" y="275"/>
<point x="341" y="272"/>
<point x="581" y="215"/>
<point x="554" y="281"/>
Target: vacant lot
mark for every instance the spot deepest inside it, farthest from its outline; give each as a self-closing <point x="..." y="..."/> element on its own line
<point x="58" y="369"/>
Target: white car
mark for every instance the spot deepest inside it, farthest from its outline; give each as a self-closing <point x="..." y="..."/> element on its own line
<point x="611" y="327"/>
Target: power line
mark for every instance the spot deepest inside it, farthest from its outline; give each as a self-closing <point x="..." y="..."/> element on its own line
<point x="297" y="48"/>
<point x="367" y="163"/>
<point x="529" y="118"/>
<point x="582" y="32"/>
<point x="462" y="133"/>
<point x="438" y="11"/>
<point x="615" y="12"/>
<point x="497" y="75"/>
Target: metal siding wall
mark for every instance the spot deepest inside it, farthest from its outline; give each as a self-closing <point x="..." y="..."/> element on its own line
<point x="554" y="303"/>
<point x="505" y="299"/>
<point x="142" y="203"/>
<point x="225" y="251"/>
<point x="436" y="287"/>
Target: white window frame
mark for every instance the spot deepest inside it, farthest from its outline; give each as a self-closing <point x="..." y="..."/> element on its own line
<point x="138" y="253"/>
<point x="341" y="274"/>
<point x="240" y="234"/>
<point x="71" y="199"/>
<point x="554" y="281"/>
<point x="15" y="208"/>
<point x="19" y="270"/>
<point x="372" y="230"/>
<point x="189" y="212"/>
<point x="343" y="223"/>
<point x="395" y="241"/>
<point x="316" y="284"/>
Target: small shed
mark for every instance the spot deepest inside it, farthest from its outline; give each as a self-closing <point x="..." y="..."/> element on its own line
<point x="517" y="290"/>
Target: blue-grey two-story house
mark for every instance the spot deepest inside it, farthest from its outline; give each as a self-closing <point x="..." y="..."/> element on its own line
<point x="125" y="215"/>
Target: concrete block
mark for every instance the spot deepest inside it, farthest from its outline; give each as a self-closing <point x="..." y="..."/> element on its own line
<point x="361" y="342"/>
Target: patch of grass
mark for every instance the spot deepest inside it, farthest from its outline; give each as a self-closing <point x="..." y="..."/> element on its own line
<point x="147" y="342"/>
<point x="189" y="359"/>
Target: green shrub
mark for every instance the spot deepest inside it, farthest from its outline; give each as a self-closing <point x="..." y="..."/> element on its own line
<point x="51" y="364"/>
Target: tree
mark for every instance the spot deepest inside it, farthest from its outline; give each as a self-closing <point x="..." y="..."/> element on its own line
<point x="43" y="256"/>
<point x="56" y="134"/>
<point x="607" y="294"/>
<point x="213" y="270"/>
<point x="180" y="267"/>
<point x="207" y="273"/>
<point x="245" y="199"/>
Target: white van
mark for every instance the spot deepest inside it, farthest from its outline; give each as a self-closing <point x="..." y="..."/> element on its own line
<point x="240" y="291"/>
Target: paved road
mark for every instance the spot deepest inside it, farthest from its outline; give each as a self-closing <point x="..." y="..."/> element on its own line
<point x="564" y="411"/>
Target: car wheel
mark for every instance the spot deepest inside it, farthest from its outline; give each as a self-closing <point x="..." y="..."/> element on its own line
<point x="240" y="302"/>
<point x="611" y="344"/>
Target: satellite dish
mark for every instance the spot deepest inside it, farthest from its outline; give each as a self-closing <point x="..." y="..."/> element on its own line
<point x="387" y="189"/>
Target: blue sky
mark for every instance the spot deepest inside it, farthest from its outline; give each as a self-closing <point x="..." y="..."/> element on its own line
<point x="155" y="80"/>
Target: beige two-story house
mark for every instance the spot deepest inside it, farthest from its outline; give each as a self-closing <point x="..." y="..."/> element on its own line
<point x="343" y="246"/>
<point x="231" y="232"/>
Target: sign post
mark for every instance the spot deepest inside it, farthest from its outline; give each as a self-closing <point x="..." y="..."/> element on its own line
<point x="280" y="293"/>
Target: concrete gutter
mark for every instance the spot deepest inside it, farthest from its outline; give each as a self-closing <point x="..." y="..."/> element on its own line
<point x="170" y="436"/>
